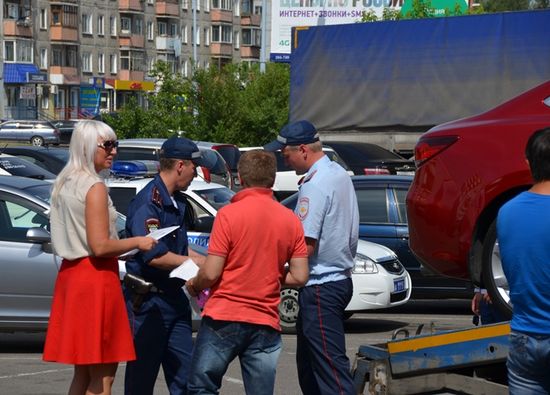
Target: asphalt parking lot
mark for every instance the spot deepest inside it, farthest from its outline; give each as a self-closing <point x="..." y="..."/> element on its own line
<point x="22" y="371"/>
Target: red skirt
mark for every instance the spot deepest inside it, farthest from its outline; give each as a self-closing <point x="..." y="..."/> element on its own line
<point x="88" y="320"/>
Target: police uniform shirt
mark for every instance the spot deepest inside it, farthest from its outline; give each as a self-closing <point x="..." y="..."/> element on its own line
<point x="153" y="208"/>
<point x="327" y="207"/>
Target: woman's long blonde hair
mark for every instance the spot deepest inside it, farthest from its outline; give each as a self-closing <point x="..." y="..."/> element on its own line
<point x="84" y="140"/>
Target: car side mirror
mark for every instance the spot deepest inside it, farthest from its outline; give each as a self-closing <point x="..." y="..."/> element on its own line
<point x="204" y="224"/>
<point x="42" y="236"/>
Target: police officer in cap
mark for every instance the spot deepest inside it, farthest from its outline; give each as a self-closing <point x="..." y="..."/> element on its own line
<point x="327" y="207"/>
<point x="161" y="324"/>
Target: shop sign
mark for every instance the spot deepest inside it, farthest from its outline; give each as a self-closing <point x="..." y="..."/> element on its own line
<point x="27" y="92"/>
<point x="134" y="85"/>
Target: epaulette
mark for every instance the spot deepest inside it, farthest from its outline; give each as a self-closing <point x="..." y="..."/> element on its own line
<point x="155" y="197"/>
<point x="307" y="178"/>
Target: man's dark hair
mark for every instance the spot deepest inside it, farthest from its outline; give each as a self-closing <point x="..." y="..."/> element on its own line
<point x="257" y="168"/>
<point x="537" y="152"/>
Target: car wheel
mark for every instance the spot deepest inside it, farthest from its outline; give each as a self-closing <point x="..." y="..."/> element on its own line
<point x="493" y="276"/>
<point x="37" y="141"/>
<point x="288" y="308"/>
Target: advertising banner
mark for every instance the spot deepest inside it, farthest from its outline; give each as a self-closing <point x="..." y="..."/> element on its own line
<point x="89" y="99"/>
<point x="286" y="14"/>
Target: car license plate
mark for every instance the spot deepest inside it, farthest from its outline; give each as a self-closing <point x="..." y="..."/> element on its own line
<point x="399" y="285"/>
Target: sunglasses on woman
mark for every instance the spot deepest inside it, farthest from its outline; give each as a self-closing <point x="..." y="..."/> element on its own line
<point x="108" y="145"/>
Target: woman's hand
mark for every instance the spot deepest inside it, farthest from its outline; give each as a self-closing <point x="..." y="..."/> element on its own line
<point x="146" y="243"/>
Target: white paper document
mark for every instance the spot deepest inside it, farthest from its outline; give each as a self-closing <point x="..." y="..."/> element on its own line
<point x="188" y="269"/>
<point x="156" y="234"/>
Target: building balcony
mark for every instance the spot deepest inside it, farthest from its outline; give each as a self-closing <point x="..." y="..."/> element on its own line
<point x="217" y="15"/>
<point x="129" y="75"/>
<point x="64" y="75"/>
<point x="19" y="28"/>
<point x="250" y="52"/>
<point x="166" y="8"/>
<point x="63" y="33"/>
<point x="130" y="5"/>
<point x="221" y="50"/>
<point x="165" y="43"/>
<point x="251" y="20"/>
<point x="132" y="40"/>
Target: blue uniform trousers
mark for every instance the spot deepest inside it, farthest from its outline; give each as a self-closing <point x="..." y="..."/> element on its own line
<point x="323" y="366"/>
<point x="162" y="336"/>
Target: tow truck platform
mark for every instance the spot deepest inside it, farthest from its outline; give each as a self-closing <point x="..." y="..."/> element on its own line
<point x="465" y="361"/>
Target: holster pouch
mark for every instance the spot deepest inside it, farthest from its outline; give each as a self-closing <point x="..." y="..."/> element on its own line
<point x="138" y="287"/>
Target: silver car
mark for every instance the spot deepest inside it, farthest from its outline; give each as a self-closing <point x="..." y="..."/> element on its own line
<point x="32" y="131"/>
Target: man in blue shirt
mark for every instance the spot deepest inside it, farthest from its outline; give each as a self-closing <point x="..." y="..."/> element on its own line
<point x="523" y="231"/>
<point x="162" y="323"/>
<point x="327" y="207"/>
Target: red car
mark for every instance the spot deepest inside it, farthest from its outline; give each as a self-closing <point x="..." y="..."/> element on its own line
<point x="466" y="170"/>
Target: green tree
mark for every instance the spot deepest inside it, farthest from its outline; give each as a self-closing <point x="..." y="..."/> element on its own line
<point x="505" y="5"/>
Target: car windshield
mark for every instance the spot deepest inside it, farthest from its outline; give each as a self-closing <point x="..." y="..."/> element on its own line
<point x="20" y="167"/>
<point x="42" y="192"/>
<point x="216" y="197"/>
<point x="59" y="153"/>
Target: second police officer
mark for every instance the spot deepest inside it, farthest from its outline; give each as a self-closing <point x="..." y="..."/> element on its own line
<point x="160" y="316"/>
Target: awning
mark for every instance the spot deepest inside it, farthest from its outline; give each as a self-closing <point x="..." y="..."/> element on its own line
<point x="16" y="73"/>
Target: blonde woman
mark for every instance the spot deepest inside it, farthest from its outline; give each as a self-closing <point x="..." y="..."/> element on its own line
<point x="88" y="325"/>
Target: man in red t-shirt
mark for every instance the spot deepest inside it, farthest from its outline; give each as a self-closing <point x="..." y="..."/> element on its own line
<point x="252" y="239"/>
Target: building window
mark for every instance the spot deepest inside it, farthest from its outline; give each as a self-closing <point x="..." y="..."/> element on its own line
<point x="18" y="51"/>
<point x="185" y="68"/>
<point x="151" y="2"/>
<point x="72" y="56"/>
<point x="138" y="26"/>
<point x="161" y="26"/>
<point x="57" y="57"/>
<point x="101" y="25"/>
<point x="11" y="11"/>
<point x="44" y="102"/>
<point x="173" y="30"/>
<point x="223" y="4"/>
<point x="237" y="7"/>
<point x="197" y="37"/>
<point x="198" y="4"/>
<point x="207" y="5"/>
<point x="112" y="25"/>
<point x="86" y="24"/>
<point x="86" y="62"/>
<point x="66" y="15"/>
<point x="150" y="33"/>
<point x="43" y="58"/>
<point x="9" y="51"/>
<point x="237" y="40"/>
<point x="131" y="60"/>
<point x="113" y="68"/>
<point x="184" y="4"/>
<point x="222" y="33"/>
<point x="258" y="10"/>
<point x="252" y="37"/>
<point x="43" y="18"/>
<point x="152" y="61"/>
<point x="101" y="63"/>
<point x="125" y="25"/>
<point x="184" y="34"/>
<point x="206" y="34"/>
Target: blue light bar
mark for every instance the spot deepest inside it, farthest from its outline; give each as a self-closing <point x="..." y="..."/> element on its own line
<point x="124" y="168"/>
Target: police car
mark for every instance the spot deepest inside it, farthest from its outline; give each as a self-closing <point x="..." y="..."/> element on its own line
<point x="204" y="199"/>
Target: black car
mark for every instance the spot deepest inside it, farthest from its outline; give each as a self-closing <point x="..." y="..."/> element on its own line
<point x="52" y="159"/>
<point x="65" y="127"/>
<point x="383" y="220"/>
<point x="371" y="159"/>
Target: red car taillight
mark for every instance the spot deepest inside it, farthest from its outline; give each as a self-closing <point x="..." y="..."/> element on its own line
<point x="428" y="147"/>
<point x="375" y="171"/>
<point x="206" y="174"/>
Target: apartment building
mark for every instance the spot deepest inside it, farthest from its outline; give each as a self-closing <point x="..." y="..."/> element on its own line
<point x="68" y="58"/>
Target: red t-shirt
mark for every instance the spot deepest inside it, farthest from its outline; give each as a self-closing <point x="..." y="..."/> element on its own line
<point x="257" y="236"/>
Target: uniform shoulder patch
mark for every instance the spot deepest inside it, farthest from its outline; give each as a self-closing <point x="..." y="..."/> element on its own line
<point x="302" y="208"/>
<point x="155" y="197"/>
<point x="152" y="224"/>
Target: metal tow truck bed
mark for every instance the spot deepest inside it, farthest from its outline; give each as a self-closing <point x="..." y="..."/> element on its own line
<point x="450" y="360"/>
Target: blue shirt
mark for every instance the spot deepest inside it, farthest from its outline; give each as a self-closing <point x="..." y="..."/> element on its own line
<point x="523" y="231"/>
<point x="152" y="208"/>
<point x="327" y="207"/>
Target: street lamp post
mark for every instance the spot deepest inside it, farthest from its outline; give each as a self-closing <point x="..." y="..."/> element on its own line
<point x="264" y="37"/>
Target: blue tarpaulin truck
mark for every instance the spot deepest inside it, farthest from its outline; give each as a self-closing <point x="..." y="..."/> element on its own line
<point x="387" y="82"/>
